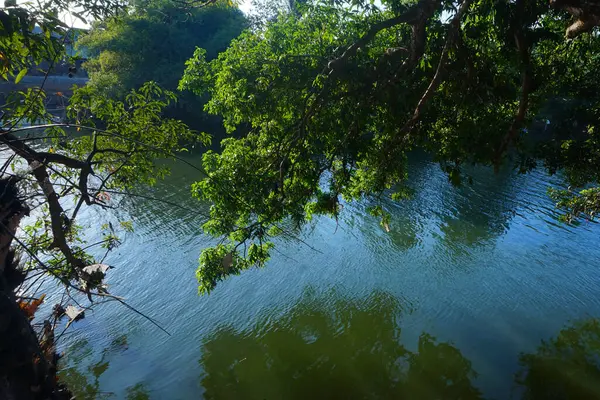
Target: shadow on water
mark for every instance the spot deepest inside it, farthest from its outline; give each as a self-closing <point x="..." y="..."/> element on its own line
<point x="333" y="347"/>
<point x="476" y="212"/>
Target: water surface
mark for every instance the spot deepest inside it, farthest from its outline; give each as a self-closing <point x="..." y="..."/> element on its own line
<point x="453" y="303"/>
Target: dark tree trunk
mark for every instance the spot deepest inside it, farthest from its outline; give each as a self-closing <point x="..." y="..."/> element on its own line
<point x="26" y="370"/>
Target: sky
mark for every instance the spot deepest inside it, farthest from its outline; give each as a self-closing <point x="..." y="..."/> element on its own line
<point x="244" y="5"/>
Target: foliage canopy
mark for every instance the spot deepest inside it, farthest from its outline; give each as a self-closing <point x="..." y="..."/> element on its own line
<point x="152" y="42"/>
<point x="108" y="148"/>
<point x="332" y="99"/>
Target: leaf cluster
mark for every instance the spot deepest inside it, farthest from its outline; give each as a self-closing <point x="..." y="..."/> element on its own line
<point x="329" y="102"/>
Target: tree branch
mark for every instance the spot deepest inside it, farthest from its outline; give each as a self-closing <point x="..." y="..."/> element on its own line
<point x="437" y="77"/>
<point x="25" y="151"/>
<point x="526" y="84"/>
<point x="103" y="131"/>
<point x="413" y="14"/>
<point x="37" y="164"/>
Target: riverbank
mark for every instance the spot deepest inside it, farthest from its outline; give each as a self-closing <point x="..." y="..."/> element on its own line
<point x="51" y="84"/>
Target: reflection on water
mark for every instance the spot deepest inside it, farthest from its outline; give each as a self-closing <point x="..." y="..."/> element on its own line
<point x="137" y="392"/>
<point x="82" y="375"/>
<point x="330" y="346"/>
<point x="457" y="218"/>
<point x="333" y="349"/>
<point x="485" y="269"/>
<point x="566" y="366"/>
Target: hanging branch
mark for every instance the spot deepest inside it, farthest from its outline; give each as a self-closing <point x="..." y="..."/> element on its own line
<point x="103" y="131"/>
<point x="436" y="81"/>
<point x="526" y="84"/>
<point x="70" y="285"/>
<point x="412" y="15"/>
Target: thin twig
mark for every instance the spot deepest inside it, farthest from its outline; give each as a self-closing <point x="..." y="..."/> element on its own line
<point x="290" y="235"/>
<point x="142" y="196"/>
<point x="122" y="301"/>
<point x="284" y="255"/>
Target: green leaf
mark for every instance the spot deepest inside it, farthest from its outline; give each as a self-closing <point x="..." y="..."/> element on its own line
<point x="21" y="74"/>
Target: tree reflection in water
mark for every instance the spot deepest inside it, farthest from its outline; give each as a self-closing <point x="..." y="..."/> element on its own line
<point x="82" y="376"/>
<point x="564" y="367"/>
<point x="328" y="347"/>
<point x="332" y="347"/>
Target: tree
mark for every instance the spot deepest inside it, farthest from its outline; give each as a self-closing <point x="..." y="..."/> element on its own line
<point x="263" y="11"/>
<point x="152" y="43"/>
<point x="108" y="147"/>
<point x="337" y="97"/>
<point x="75" y="172"/>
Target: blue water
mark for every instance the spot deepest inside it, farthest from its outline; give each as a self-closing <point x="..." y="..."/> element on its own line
<point x="468" y="281"/>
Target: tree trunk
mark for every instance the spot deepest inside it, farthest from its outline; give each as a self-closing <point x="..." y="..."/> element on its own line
<point x="25" y="371"/>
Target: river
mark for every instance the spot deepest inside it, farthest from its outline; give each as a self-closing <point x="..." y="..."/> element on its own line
<point x="464" y="298"/>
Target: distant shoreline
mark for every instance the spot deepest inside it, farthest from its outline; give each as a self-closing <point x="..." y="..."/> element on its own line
<point x="52" y="84"/>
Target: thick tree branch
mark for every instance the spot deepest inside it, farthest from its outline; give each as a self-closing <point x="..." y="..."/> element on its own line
<point x="42" y="157"/>
<point x="417" y="14"/>
<point x="415" y="50"/>
<point x="104" y="132"/>
<point x="586" y="15"/>
<point x="37" y="163"/>
<point x="419" y="36"/>
<point x="412" y="15"/>
<point x="526" y="83"/>
<point x="85" y="173"/>
<point x="435" y="82"/>
<point x="56" y="213"/>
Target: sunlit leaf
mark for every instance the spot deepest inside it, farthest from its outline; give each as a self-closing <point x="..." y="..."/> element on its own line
<point x="20" y="75"/>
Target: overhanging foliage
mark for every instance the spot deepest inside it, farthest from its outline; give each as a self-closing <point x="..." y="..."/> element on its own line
<point x="336" y="96"/>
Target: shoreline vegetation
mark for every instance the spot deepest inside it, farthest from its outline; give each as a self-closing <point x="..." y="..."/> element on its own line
<point x="319" y="103"/>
